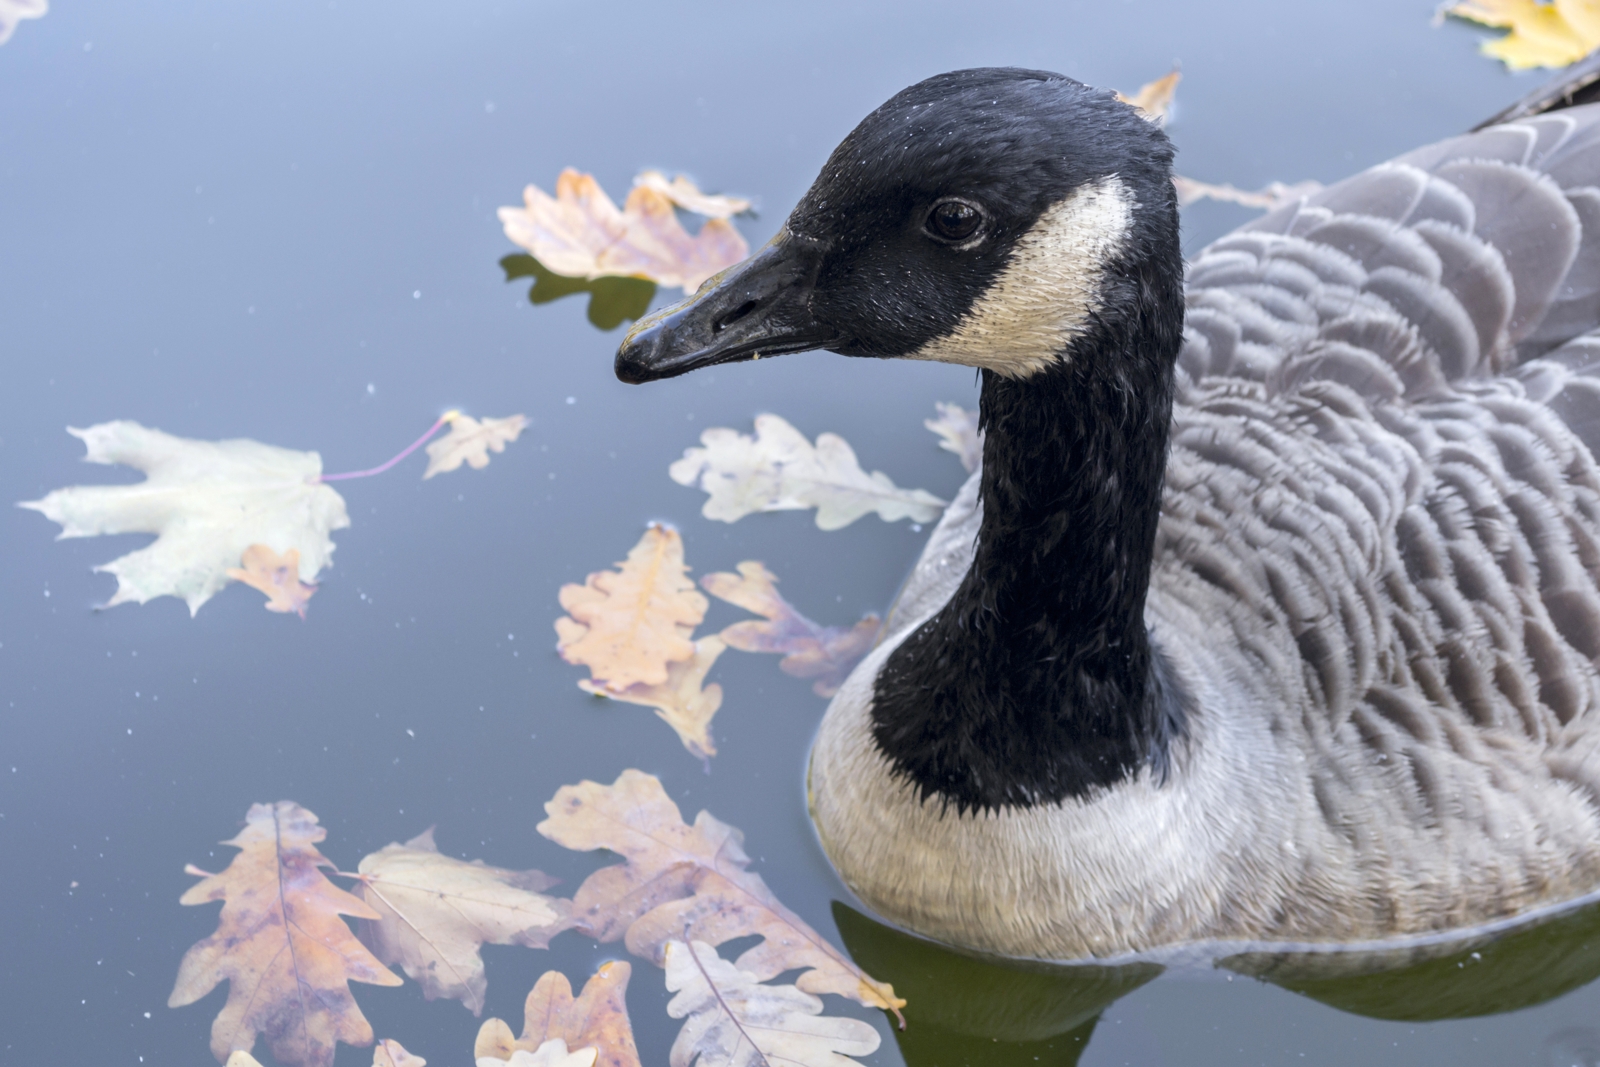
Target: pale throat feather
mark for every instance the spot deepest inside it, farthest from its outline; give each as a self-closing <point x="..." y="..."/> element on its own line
<point x="1050" y="287"/>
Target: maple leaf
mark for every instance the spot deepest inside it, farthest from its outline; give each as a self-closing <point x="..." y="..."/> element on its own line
<point x="958" y="433"/>
<point x="280" y="945"/>
<point x="735" y="1021"/>
<point x="825" y="653"/>
<point x="1155" y="98"/>
<point x="208" y="502"/>
<point x="687" y="195"/>
<point x="682" y="881"/>
<point x="779" y="470"/>
<point x="627" y="625"/>
<point x="580" y="233"/>
<point x="435" y="912"/>
<point x="14" y="11"/>
<point x="1269" y="196"/>
<point x="275" y="575"/>
<point x="597" y="1019"/>
<point x="470" y="441"/>
<point x="550" y="1054"/>
<point x="391" y="1053"/>
<point x="1554" y="34"/>
<point x="684" y="702"/>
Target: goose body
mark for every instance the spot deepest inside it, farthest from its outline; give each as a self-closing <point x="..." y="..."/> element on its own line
<point x="1273" y="612"/>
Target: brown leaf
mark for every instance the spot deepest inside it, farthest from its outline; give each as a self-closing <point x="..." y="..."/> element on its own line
<point x="826" y="653"/>
<point x="580" y="233"/>
<point x="280" y="945"/>
<point x="275" y="575"/>
<point x="1155" y="98"/>
<point x="958" y="432"/>
<point x="680" y="701"/>
<point x="391" y="1053"/>
<point x="628" y="625"/>
<point x="687" y="195"/>
<point x="684" y="881"/>
<point x="435" y="912"/>
<point x="470" y="441"/>
<point x="598" y="1018"/>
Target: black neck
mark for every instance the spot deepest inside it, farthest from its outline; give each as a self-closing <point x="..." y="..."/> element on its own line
<point x="1038" y="681"/>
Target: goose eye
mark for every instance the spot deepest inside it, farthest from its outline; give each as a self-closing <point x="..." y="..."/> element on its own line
<point x="953" y="220"/>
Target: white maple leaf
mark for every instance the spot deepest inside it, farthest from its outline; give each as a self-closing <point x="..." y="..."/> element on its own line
<point x="735" y="1021"/>
<point x="958" y="432"/>
<point x="779" y="470"/>
<point x="207" y="501"/>
<point x="14" y="11"/>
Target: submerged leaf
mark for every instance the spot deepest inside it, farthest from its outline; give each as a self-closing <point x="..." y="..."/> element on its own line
<point x="208" y="502"/>
<point x="470" y="441"/>
<point x="1554" y="34"/>
<point x="825" y="653"/>
<point x="280" y="945"/>
<point x="687" y="195"/>
<point x="390" y="1053"/>
<point x="627" y="625"/>
<point x="735" y="1021"/>
<point x="550" y="1054"/>
<point x="958" y="432"/>
<point x="1269" y="196"/>
<point x="597" y="1019"/>
<point x="611" y="300"/>
<point x="683" y="701"/>
<point x="682" y="881"/>
<point x="435" y="912"/>
<point x="14" y="11"/>
<point x="275" y="575"/>
<point x="779" y="470"/>
<point x="580" y="233"/>
<point x="1155" y="98"/>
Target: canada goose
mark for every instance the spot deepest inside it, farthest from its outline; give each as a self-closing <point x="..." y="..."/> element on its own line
<point x="1272" y="613"/>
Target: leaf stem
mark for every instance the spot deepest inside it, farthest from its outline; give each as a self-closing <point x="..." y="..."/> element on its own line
<point x="449" y="416"/>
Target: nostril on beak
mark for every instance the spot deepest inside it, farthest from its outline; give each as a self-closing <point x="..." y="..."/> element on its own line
<point x="733" y="316"/>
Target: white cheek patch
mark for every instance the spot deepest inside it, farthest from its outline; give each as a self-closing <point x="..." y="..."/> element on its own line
<point x="1046" y="293"/>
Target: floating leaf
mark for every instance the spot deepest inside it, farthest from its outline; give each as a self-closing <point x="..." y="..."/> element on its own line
<point x="682" y="881"/>
<point x="470" y="441"/>
<point x="390" y="1053"/>
<point x="1269" y="196"/>
<point x="612" y="301"/>
<point x="280" y="945"/>
<point x="208" y="502"/>
<point x="550" y="1054"/>
<point x="825" y="653"/>
<point x="687" y="195"/>
<point x="597" y="1019"/>
<point x="580" y="233"/>
<point x="1554" y="34"/>
<point x="958" y="432"/>
<point x="627" y="625"/>
<point x="242" y="1059"/>
<point x="779" y="470"/>
<point x="683" y="701"/>
<point x="1155" y="98"/>
<point x="735" y="1021"/>
<point x="275" y="575"/>
<point x="435" y="912"/>
<point x="14" y="11"/>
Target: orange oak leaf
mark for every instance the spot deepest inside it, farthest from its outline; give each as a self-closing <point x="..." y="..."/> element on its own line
<point x="683" y="701"/>
<point x="825" y="653"/>
<point x="275" y="575"/>
<point x="470" y="441"/>
<point x="681" y="881"/>
<point x="627" y="625"/>
<point x="597" y="1018"/>
<point x="280" y="945"/>
<point x="1155" y="98"/>
<point x="391" y="1053"/>
<point x="687" y="195"/>
<point x="580" y="233"/>
<point x="435" y="912"/>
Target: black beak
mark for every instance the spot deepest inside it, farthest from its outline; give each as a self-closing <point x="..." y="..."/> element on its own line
<point x="761" y="307"/>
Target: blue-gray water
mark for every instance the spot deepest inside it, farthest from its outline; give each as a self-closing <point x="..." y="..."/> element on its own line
<point x="277" y="221"/>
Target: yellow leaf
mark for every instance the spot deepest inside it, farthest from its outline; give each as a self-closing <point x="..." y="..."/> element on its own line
<point x="958" y="433"/>
<point x="1542" y="34"/>
<point x="627" y="625"/>
<point x="275" y="575"/>
<point x="683" y="701"/>
<point x="280" y="945"/>
<point x="435" y="912"/>
<point x="687" y="195"/>
<point x="597" y="1019"/>
<point x="470" y="441"/>
<point x="682" y="881"/>
<point x="1154" y="98"/>
<point x="391" y="1053"/>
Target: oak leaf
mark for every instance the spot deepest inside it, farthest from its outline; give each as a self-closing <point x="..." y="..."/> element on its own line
<point x="1554" y="34"/>
<point x="280" y="945"/>
<point x="391" y="1053"/>
<point x="580" y="233"/>
<point x="550" y="1054"/>
<point x="684" y="702"/>
<point x="628" y="625"/>
<point x="470" y="441"/>
<point x="958" y="432"/>
<point x="597" y="1018"/>
<point x="208" y="502"/>
<point x="735" y="1021"/>
<point x="435" y="912"/>
<point x="687" y="195"/>
<point x="779" y="470"/>
<point x="682" y="881"/>
<point x="1267" y="197"/>
<point x="14" y="11"/>
<point x="825" y="653"/>
<point x="611" y="300"/>
<point x="1154" y="99"/>
<point x="275" y="575"/>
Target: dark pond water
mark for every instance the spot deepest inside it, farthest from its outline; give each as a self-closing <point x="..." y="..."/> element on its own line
<point x="276" y="221"/>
